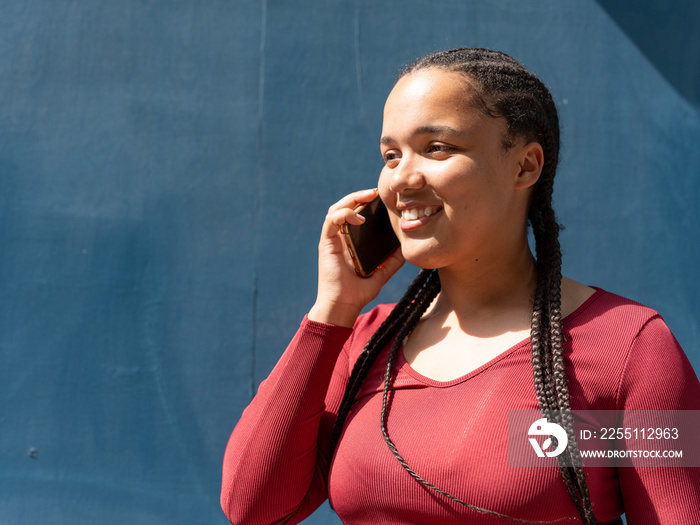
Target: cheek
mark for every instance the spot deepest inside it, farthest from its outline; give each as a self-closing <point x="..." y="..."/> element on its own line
<point x="388" y="196"/>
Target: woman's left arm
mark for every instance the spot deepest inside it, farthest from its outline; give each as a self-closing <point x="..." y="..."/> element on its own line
<point x="658" y="378"/>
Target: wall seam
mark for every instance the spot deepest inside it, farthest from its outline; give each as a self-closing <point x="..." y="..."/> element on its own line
<point x="258" y="198"/>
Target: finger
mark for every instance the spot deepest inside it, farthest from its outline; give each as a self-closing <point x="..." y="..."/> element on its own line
<point x="354" y="200"/>
<point x="335" y="220"/>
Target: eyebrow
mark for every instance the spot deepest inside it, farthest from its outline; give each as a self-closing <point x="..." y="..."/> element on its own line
<point x="427" y="130"/>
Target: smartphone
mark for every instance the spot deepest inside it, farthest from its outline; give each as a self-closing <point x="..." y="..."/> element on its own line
<point x="372" y="242"/>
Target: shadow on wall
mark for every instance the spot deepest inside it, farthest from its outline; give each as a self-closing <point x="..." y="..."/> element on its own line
<point x="666" y="34"/>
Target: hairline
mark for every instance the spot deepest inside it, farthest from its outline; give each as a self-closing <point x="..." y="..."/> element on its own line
<point x="477" y="97"/>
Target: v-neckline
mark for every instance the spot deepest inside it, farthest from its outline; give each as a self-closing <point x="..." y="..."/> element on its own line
<point x="405" y="366"/>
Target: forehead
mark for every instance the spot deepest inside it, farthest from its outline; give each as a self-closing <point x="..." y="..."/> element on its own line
<point x="431" y="92"/>
<point x="431" y="97"/>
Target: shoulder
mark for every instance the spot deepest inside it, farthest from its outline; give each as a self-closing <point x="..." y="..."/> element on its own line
<point x="622" y="350"/>
<point x="611" y="315"/>
<point x="370" y="321"/>
<point x="611" y="326"/>
<point x="601" y="310"/>
<point x="623" y="327"/>
<point x="365" y="326"/>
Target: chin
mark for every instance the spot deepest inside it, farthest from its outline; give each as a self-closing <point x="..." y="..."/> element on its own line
<point x="426" y="259"/>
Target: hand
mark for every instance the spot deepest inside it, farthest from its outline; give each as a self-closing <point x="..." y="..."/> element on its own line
<point x="342" y="294"/>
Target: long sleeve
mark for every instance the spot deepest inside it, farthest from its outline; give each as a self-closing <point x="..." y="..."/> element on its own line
<point x="659" y="377"/>
<point x="274" y="467"/>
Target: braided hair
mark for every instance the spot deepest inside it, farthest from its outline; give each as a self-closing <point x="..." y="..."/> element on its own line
<point x="503" y="88"/>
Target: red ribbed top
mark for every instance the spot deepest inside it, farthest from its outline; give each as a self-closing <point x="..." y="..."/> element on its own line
<point x="619" y="356"/>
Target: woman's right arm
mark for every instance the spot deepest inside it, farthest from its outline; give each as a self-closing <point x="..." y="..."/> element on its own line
<point x="274" y="468"/>
<point x="274" y="465"/>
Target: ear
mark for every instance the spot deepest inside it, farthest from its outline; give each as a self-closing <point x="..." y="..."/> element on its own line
<point x="531" y="161"/>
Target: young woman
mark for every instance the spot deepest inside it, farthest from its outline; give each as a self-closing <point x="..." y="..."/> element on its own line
<point x="400" y="415"/>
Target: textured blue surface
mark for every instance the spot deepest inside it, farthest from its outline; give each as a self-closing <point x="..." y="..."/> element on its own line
<point x="165" y="167"/>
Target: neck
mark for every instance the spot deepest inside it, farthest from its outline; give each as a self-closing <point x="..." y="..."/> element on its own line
<point x="482" y="290"/>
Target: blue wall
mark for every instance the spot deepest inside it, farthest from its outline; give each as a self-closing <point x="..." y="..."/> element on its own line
<point x="165" y="166"/>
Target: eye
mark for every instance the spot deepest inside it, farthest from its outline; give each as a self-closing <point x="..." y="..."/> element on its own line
<point x="439" y="148"/>
<point x="391" y="157"/>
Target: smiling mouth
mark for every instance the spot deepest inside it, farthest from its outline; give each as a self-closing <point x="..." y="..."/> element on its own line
<point x="418" y="213"/>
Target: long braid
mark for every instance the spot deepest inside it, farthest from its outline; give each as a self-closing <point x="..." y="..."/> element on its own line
<point x="388" y="329"/>
<point x="541" y="358"/>
<point x="548" y="362"/>
<point x="572" y="456"/>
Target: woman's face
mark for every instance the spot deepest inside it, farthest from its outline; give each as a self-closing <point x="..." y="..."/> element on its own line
<point x="453" y="192"/>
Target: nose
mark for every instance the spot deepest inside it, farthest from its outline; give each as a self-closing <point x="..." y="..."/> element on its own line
<point x="407" y="175"/>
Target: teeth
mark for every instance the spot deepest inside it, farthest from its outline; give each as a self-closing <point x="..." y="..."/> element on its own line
<point x="416" y="213"/>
